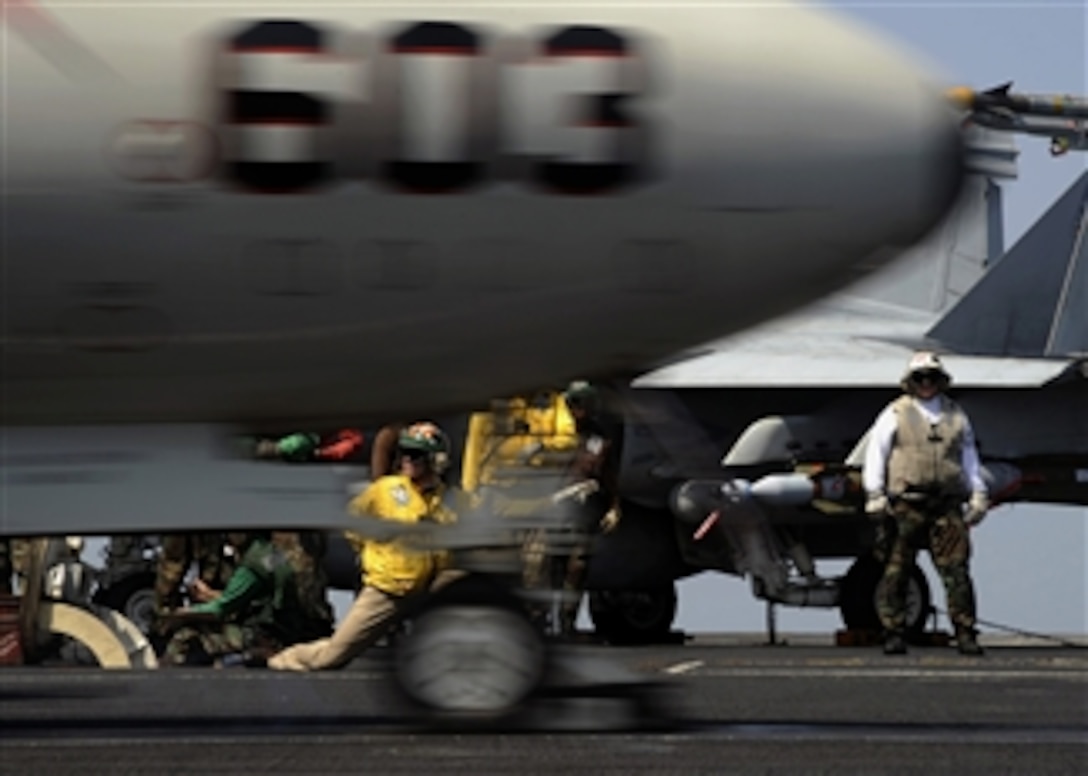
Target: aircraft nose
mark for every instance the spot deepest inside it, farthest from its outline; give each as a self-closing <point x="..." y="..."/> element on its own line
<point x="838" y="124"/>
<point x="910" y="180"/>
<point x="948" y="163"/>
<point x="891" y="158"/>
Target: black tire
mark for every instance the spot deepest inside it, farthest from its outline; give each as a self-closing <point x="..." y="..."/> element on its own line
<point x="134" y="597"/>
<point x="857" y="603"/>
<point x="633" y="617"/>
<point x="505" y="665"/>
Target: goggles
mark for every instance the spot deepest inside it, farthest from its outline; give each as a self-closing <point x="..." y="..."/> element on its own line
<point x="926" y="375"/>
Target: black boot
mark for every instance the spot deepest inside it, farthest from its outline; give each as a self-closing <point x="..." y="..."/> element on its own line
<point x="966" y="641"/>
<point x="894" y="643"/>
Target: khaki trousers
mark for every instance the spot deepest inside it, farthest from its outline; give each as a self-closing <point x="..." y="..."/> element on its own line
<point x="369" y="618"/>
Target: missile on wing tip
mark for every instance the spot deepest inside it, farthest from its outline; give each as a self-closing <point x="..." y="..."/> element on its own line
<point x="1000" y="98"/>
<point x="1058" y="105"/>
<point x="962" y="97"/>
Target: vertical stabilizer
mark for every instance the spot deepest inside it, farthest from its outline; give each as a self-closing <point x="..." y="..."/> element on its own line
<point x="1069" y="332"/>
<point x="1034" y="302"/>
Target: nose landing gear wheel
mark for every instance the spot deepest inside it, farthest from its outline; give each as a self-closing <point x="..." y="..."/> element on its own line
<point x="465" y="663"/>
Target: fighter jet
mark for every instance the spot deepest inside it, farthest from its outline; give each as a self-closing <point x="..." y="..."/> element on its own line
<point x="789" y="404"/>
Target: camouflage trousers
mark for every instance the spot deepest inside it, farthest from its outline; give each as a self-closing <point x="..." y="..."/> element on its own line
<point x="179" y="551"/>
<point x="574" y="585"/>
<point x="304" y="551"/>
<point x="202" y="645"/>
<point x="547" y="569"/>
<point x="939" y="528"/>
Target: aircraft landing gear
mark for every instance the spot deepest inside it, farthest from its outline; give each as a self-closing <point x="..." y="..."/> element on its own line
<point x="857" y="602"/>
<point x="631" y="617"/>
<point x="472" y="657"/>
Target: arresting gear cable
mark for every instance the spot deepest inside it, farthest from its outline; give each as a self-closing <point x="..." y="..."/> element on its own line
<point x="1022" y="632"/>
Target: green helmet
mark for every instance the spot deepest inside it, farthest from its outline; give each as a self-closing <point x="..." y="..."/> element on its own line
<point x="430" y="439"/>
<point x="581" y="393"/>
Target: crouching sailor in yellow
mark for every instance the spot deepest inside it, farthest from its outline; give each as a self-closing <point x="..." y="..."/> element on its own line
<point x="394" y="577"/>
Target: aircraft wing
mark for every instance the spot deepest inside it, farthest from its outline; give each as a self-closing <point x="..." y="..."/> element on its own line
<point x="96" y="481"/>
<point x="156" y="479"/>
<point x="819" y="349"/>
<point x="1023" y="320"/>
<point x="822" y="370"/>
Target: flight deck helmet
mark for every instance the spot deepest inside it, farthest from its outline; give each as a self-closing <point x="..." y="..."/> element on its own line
<point x="924" y="364"/>
<point x="428" y="438"/>
<point x="581" y="394"/>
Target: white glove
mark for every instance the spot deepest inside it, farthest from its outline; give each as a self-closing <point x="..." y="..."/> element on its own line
<point x="876" y="505"/>
<point x="610" y="520"/>
<point x="579" y="491"/>
<point x="977" y="508"/>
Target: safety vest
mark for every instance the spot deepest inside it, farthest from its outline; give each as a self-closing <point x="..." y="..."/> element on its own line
<point x="927" y="458"/>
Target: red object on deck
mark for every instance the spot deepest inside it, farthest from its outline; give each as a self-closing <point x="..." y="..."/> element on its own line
<point x="347" y="442"/>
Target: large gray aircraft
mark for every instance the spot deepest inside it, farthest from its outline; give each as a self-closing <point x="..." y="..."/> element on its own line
<point x="216" y="222"/>
<point x="789" y="404"/>
<point x="220" y="222"/>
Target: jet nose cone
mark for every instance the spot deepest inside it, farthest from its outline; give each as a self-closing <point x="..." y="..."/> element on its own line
<point x="948" y="162"/>
<point x="839" y="127"/>
<point x="910" y="154"/>
<point x="886" y="165"/>
<point x="912" y="184"/>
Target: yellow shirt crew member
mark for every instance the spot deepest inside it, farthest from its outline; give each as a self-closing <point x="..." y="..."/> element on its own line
<point x="394" y="574"/>
<point x="390" y="566"/>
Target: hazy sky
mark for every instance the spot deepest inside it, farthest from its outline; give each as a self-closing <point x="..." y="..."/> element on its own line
<point x="1030" y="562"/>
